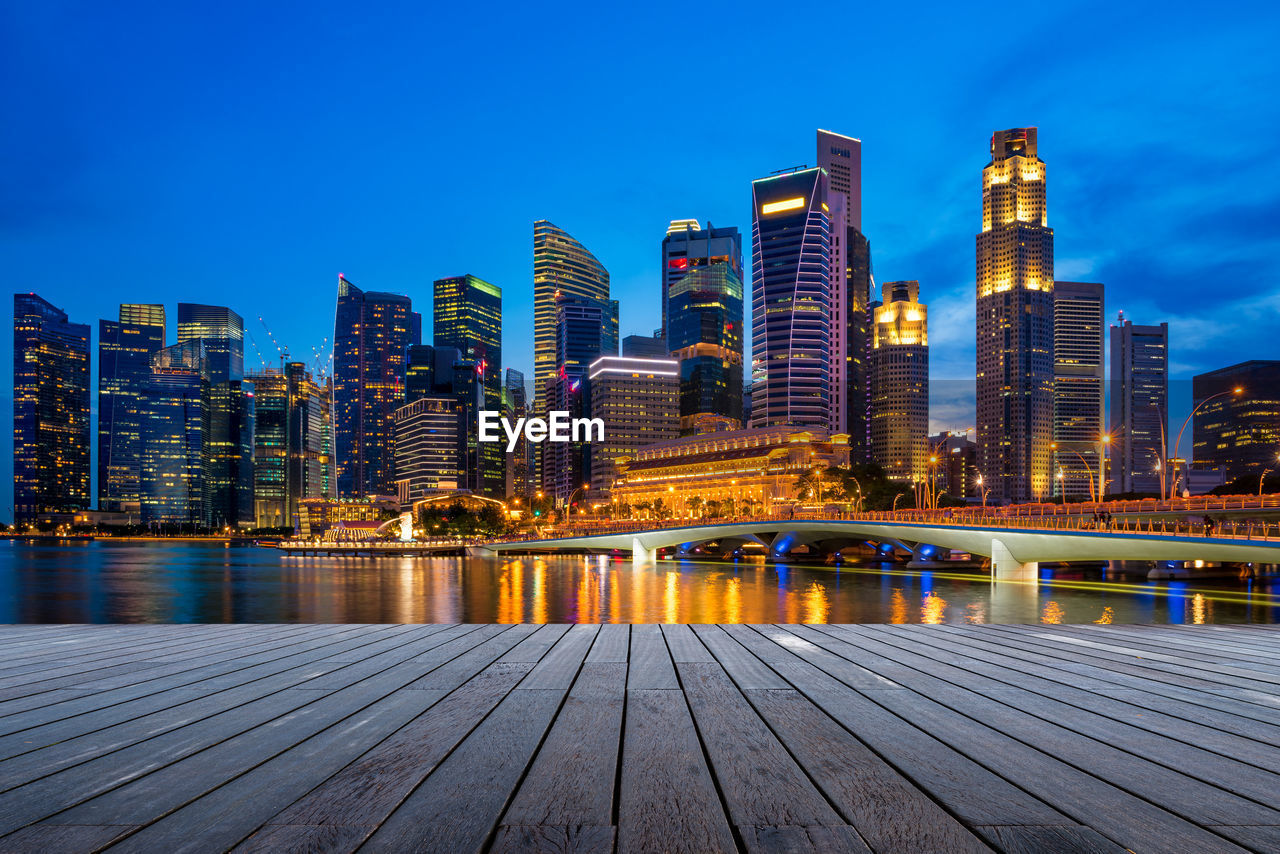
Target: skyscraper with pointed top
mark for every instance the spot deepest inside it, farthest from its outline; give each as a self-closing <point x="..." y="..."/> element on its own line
<point x="1015" y="378"/>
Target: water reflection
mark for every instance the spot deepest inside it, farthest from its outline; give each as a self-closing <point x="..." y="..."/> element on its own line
<point x="118" y="582"/>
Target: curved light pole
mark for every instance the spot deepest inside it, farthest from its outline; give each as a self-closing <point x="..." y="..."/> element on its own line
<point x="1173" y="484"/>
<point x="1087" y="470"/>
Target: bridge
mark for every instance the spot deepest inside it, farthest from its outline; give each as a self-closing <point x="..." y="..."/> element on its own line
<point x="1016" y="547"/>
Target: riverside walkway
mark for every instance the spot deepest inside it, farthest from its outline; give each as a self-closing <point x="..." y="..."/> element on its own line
<point x="706" y="738"/>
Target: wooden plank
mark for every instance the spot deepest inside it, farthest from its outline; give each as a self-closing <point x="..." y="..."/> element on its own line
<point x="612" y="644"/>
<point x="745" y="669"/>
<point x="230" y="813"/>
<point x="571" y="782"/>
<point x="559" y="667"/>
<point x="1024" y="839"/>
<point x="162" y="772"/>
<point x="100" y="714"/>
<point x="650" y="660"/>
<point x="538" y="839"/>
<point x="759" y="781"/>
<point x="1150" y="645"/>
<point x="683" y="644"/>
<point x="887" y="810"/>
<point x="458" y="806"/>
<point x="1037" y="756"/>
<point x="666" y="798"/>
<point x="1088" y="726"/>
<point x="1229" y="735"/>
<point x="961" y="785"/>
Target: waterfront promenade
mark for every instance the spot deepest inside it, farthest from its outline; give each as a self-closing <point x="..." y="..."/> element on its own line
<point x="794" y="738"/>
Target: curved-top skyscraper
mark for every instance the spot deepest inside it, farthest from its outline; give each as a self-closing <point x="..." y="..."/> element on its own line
<point x="791" y="300"/>
<point x="1015" y="322"/>
<point x="561" y="266"/>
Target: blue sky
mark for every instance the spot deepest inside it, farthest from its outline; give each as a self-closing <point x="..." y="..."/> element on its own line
<point x="243" y="155"/>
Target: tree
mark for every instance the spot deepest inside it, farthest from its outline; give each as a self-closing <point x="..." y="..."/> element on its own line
<point x="695" y="504"/>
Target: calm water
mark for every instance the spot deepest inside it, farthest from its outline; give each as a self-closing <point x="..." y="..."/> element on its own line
<point x="103" y="582"/>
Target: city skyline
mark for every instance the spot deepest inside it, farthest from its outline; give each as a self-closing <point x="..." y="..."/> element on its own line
<point x="1118" y="155"/>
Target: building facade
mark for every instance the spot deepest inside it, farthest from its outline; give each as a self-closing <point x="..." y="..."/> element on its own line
<point x="562" y="267"/>
<point x="290" y="447"/>
<point x="125" y="348"/>
<point x="468" y="318"/>
<point x="370" y="337"/>
<point x="900" y="380"/>
<point x="840" y="157"/>
<point x="1237" y="432"/>
<point x="791" y="301"/>
<point x="1079" y="395"/>
<point x="222" y="331"/>
<point x="704" y="323"/>
<point x="1139" y="406"/>
<point x="50" y="410"/>
<point x="426" y="448"/>
<point x="637" y="400"/>
<point x="748" y="471"/>
<point x="957" y="466"/>
<point x="175" y="436"/>
<point x="1015" y="322"/>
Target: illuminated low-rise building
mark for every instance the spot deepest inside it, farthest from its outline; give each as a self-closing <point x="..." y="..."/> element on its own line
<point x="426" y="447"/>
<point x="745" y="471"/>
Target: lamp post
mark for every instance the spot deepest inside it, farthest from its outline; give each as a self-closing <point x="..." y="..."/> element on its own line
<point x="1087" y="470"/>
<point x="1261" y="479"/>
<point x="984" y="491"/>
<point x="1237" y="391"/>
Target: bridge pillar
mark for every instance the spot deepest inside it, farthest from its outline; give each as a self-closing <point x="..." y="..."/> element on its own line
<point x="639" y="554"/>
<point x="1006" y="567"/>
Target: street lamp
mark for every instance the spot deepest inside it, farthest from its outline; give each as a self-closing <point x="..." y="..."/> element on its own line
<point x="1236" y="392"/>
<point x="984" y="491"/>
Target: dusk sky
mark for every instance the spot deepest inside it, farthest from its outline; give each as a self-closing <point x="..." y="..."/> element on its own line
<point x="236" y="156"/>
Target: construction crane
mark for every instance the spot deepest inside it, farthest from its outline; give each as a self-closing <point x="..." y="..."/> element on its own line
<point x="284" y="354"/>
<point x="261" y="357"/>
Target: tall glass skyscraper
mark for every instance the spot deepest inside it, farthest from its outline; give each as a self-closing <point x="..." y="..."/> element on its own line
<point x="50" y="410"/>
<point x="371" y="332"/>
<point x="705" y="320"/>
<point x="1078" y="392"/>
<point x="125" y="348"/>
<point x="175" y="435"/>
<point x="562" y="267"/>
<point x="222" y="331"/>
<point x="468" y="317"/>
<point x="791" y="300"/>
<point x="840" y="157"/>
<point x="1015" y="322"/>
<point x="1139" y="406"/>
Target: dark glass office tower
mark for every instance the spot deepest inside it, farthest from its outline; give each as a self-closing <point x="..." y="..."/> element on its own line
<point x="371" y="332"/>
<point x="586" y="329"/>
<point x="222" y="331"/>
<point x="230" y="449"/>
<point x="50" y="410"/>
<point x="1239" y="433"/>
<point x="856" y="347"/>
<point x="468" y="317"/>
<point x="791" y="301"/>
<point x="125" y="348"/>
<point x="520" y="461"/>
<point x="289" y="448"/>
<point x="175" y="435"/>
<point x="1139" y="406"/>
<point x="705" y="323"/>
<point x="688" y="245"/>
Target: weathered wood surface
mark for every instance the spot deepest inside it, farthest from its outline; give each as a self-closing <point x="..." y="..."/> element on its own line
<point x="958" y="738"/>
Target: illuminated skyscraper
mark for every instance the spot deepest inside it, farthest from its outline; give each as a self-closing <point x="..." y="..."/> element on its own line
<point x="50" y="410"/>
<point x="289" y="453"/>
<point x="1078" y="392"/>
<point x="125" y="348"/>
<point x="1015" y="322"/>
<point x="561" y="267"/>
<point x="175" y="435"/>
<point x="841" y="157"/>
<point x="1139" y="405"/>
<point x="900" y="383"/>
<point x="229" y="448"/>
<point x="426" y="448"/>
<point x="468" y="317"/>
<point x="704" y="323"/>
<point x="791" y="300"/>
<point x="371" y="332"/>
<point x="222" y="331"/>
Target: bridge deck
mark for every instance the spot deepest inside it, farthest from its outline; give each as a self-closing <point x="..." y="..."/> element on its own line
<point x="639" y="738"/>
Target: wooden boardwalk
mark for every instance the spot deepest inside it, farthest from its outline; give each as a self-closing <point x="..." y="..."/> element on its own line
<point x="672" y="738"/>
